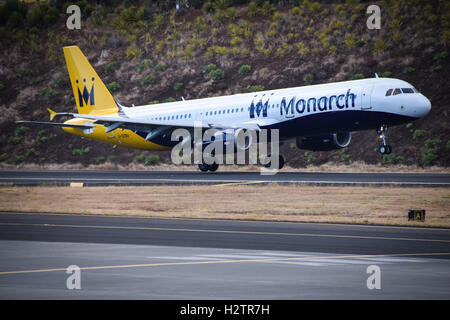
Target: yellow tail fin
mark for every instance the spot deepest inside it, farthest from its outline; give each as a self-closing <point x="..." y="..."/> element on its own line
<point x="91" y="94"/>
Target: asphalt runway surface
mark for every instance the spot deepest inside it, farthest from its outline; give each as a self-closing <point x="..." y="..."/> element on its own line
<point x="103" y="178"/>
<point x="157" y="258"/>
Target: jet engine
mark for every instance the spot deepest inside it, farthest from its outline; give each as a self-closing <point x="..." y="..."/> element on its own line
<point x="240" y="138"/>
<point x="325" y="142"/>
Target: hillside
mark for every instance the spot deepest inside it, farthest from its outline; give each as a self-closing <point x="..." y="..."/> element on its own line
<point x="147" y="53"/>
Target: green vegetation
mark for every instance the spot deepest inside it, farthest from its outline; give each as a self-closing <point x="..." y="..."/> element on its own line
<point x="149" y="79"/>
<point x="309" y="77"/>
<point x="380" y="46"/>
<point x="147" y="160"/>
<point x="356" y="76"/>
<point x="216" y="75"/>
<point x="408" y="70"/>
<point x="113" y="86"/>
<point x="309" y="158"/>
<point x="213" y="72"/>
<point x="253" y="88"/>
<point x="144" y="64"/>
<point x="100" y="159"/>
<point x="245" y="68"/>
<point x="18" y="159"/>
<point x="392" y="159"/>
<point x="177" y="86"/>
<point x="430" y="152"/>
<point x="160" y="67"/>
<point x="81" y="151"/>
<point x="111" y="67"/>
<point x="4" y="157"/>
<point x="133" y="52"/>
<point x="61" y="82"/>
<point x="47" y="93"/>
<point x="419" y="134"/>
<point x="208" y="68"/>
<point x="35" y="80"/>
<point x="436" y="68"/>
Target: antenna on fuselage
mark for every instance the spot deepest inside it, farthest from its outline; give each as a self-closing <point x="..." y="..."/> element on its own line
<point x="376" y="75"/>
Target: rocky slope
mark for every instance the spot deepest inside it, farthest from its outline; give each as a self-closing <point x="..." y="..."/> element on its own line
<point x="148" y="53"/>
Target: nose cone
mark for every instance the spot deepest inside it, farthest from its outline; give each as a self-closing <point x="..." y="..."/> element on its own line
<point x="424" y="107"/>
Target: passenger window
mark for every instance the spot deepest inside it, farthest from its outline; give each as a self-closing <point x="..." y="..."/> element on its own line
<point x="388" y="93"/>
<point x="396" y="91"/>
<point x="407" y="90"/>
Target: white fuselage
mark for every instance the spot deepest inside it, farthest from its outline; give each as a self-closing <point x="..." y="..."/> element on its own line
<point x="277" y="108"/>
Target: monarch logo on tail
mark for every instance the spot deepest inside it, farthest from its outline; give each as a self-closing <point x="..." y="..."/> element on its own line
<point x="82" y="77"/>
<point x="87" y="96"/>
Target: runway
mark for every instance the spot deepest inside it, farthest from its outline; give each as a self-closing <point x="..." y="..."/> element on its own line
<point x="107" y="178"/>
<point x="156" y="258"/>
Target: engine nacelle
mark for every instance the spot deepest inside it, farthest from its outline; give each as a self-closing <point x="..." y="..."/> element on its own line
<point x="240" y="138"/>
<point x="326" y="142"/>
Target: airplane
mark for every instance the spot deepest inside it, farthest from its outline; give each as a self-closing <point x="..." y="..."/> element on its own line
<point x="320" y="117"/>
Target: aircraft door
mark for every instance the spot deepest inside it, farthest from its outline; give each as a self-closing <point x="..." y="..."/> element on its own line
<point x="366" y="101"/>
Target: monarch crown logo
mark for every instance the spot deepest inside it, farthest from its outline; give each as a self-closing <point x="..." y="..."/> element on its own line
<point x="87" y="97"/>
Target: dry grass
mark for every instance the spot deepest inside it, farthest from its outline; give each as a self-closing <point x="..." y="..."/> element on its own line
<point x="354" y="167"/>
<point x="372" y="205"/>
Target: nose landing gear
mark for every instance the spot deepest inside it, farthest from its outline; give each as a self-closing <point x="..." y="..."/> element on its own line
<point x="384" y="148"/>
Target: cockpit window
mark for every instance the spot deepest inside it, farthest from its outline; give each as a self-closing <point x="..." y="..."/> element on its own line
<point x="396" y="91"/>
<point x="407" y="90"/>
<point x="388" y="93"/>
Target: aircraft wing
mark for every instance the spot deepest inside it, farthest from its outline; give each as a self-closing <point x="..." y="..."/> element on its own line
<point x="152" y="127"/>
<point x="115" y="122"/>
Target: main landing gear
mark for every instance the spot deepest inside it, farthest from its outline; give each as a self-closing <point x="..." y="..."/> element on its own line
<point x="384" y="148"/>
<point x="281" y="163"/>
<point x="204" y="167"/>
<point x="208" y="167"/>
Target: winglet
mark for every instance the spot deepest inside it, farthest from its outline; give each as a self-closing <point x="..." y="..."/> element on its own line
<point x="53" y="114"/>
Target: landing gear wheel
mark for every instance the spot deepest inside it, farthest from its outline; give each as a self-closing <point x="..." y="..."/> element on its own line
<point x="281" y="163"/>
<point x="213" y="167"/>
<point x="385" y="149"/>
<point x="203" y="167"/>
<point x="388" y="149"/>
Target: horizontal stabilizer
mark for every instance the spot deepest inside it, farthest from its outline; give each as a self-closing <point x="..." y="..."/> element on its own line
<point x="55" y="124"/>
